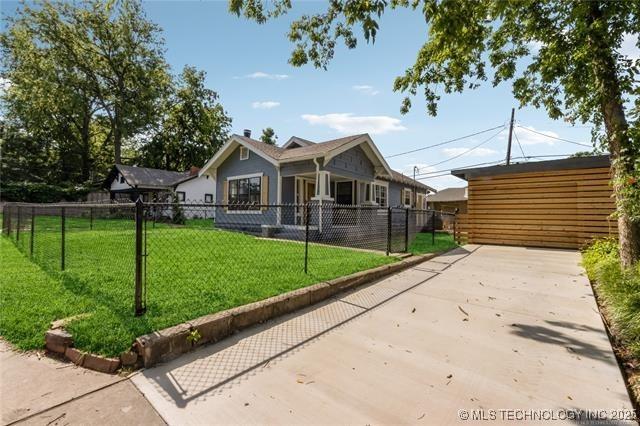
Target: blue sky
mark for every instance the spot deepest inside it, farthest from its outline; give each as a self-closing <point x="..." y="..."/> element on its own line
<point x="246" y="64"/>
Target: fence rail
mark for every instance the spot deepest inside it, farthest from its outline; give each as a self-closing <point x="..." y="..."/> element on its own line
<point x="203" y="248"/>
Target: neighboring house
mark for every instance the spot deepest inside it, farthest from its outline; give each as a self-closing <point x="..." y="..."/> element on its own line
<point x="345" y="171"/>
<point x="156" y="185"/>
<point x="449" y="200"/>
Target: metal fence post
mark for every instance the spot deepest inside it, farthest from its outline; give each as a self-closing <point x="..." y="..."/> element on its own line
<point x="62" y="237"/>
<point x="406" y="231"/>
<point x="8" y="214"/>
<point x="90" y="218"/>
<point x="33" y="230"/>
<point x="433" y="227"/>
<point x="389" y="230"/>
<point x="306" y="237"/>
<point x="19" y="224"/>
<point x="139" y="308"/>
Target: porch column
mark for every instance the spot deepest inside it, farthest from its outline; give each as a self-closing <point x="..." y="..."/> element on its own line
<point x="323" y="185"/>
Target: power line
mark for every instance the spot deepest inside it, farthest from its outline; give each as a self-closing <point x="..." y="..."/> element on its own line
<point x="553" y="137"/>
<point x="519" y="144"/>
<point x="445" y="172"/>
<point x="444" y="143"/>
<point x="469" y="150"/>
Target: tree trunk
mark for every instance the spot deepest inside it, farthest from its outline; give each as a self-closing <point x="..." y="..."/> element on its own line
<point x="85" y="155"/>
<point x="620" y="146"/>
<point x="117" y="136"/>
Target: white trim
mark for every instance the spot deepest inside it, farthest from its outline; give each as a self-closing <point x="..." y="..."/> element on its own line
<point x="295" y="139"/>
<point x="223" y="153"/>
<point x="410" y="196"/>
<point x="252" y="175"/>
<point x="358" y="141"/>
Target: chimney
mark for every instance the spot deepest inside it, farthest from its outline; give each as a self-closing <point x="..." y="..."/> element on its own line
<point x="194" y="170"/>
<point x="247" y="133"/>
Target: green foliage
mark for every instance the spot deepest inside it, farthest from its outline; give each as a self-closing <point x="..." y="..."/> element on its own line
<point x="193" y="128"/>
<point x="269" y="136"/>
<point x="194" y="336"/>
<point x="42" y="192"/>
<point x="617" y="288"/>
<point x="184" y="282"/>
<point x="177" y="214"/>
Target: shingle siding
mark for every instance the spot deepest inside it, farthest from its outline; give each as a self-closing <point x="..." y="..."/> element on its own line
<point x="352" y="163"/>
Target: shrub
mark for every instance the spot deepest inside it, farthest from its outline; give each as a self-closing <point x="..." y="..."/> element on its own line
<point x="617" y="288"/>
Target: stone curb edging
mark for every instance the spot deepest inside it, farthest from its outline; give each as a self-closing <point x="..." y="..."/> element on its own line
<point x="169" y="343"/>
<point x="59" y="341"/>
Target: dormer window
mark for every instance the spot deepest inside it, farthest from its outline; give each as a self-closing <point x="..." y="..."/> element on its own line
<point x="244" y="153"/>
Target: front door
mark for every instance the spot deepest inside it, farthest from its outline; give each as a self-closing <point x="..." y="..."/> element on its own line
<point x="344" y="193"/>
<point x="305" y="190"/>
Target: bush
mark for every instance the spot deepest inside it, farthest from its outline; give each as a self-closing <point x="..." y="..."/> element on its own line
<point x="30" y="192"/>
<point x="618" y="289"/>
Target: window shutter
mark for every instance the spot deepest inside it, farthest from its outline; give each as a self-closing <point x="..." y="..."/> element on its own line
<point x="225" y="193"/>
<point x="264" y="189"/>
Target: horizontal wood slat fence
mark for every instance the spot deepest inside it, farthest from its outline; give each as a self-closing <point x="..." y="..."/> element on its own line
<point x="560" y="209"/>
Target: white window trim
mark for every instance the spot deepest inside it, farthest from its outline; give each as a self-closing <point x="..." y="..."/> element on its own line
<point x="245" y="150"/>
<point x="380" y="183"/>
<point x="410" y="196"/>
<point x="249" y="176"/>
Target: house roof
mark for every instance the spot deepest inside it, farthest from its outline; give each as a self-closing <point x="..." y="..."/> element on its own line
<point x="535" y="166"/>
<point x="406" y="180"/>
<point x="298" y="141"/>
<point x="449" y="194"/>
<point x="144" y="177"/>
<point x="327" y="149"/>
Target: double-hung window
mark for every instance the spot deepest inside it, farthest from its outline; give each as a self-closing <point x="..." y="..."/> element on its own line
<point x="208" y="198"/>
<point x="380" y="193"/>
<point x="181" y="195"/>
<point x="244" y="193"/>
<point x="406" y="197"/>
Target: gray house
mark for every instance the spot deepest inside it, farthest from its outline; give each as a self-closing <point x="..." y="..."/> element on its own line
<point x="346" y="171"/>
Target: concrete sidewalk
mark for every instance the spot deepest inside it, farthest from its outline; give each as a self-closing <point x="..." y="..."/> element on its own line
<point x="479" y="328"/>
<point x="39" y="390"/>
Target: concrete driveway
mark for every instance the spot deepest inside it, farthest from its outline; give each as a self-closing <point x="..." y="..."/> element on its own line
<point x="478" y="330"/>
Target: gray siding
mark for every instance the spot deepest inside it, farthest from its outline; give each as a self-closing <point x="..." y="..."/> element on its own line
<point x="232" y="166"/>
<point x="297" y="168"/>
<point x="395" y="193"/>
<point x="353" y="163"/>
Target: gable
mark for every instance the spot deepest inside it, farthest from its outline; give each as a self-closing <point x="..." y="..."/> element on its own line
<point x="353" y="162"/>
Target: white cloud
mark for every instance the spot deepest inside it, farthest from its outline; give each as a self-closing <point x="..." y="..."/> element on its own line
<point x="264" y="75"/>
<point x="365" y="89"/>
<point x="629" y="46"/>
<point x="265" y="104"/>
<point x="478" y="152"/>
<point x="348" y="123"/>
<point x="529" y="138"/>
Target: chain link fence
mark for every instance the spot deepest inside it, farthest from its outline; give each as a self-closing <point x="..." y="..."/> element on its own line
<point x="209" y="252"/>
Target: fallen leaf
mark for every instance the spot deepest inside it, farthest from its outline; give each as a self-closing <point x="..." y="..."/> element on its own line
<point x="421" y="416"/>
<point x="300" y="381"/>
<point x="462" y="310"/>
<point x="449" y="376"/>
<point x="412" y="311"/>
<point x="569" y="397"/>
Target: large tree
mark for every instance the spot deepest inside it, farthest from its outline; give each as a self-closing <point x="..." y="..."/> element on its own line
<point x="74" y="68"/>
<point x="194" y="126"/>
<point x="563" y="56"/>
<point x="269" y="136"/>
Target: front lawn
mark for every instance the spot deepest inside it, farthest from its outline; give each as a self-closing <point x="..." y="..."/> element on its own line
<point x="423" y="243"/>
<point x="191" y="271"/>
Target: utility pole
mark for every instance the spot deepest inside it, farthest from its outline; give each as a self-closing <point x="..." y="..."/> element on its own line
<point x="513" y="111"/>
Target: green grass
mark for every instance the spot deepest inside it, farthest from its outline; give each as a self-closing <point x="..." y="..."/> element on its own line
<point x="423" y="243"/>
<point x="618" y="289"/>
<point x="192" y="271"/>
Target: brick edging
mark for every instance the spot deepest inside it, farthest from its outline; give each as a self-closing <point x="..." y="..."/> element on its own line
<point x="169" y="343"/>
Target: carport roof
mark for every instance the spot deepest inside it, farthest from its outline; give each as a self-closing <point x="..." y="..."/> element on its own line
<point x="535" y="166"/>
